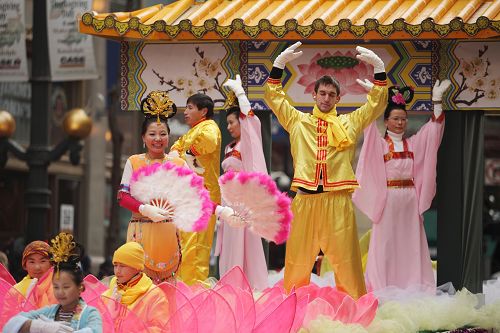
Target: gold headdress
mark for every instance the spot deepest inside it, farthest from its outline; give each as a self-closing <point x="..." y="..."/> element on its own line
<point x="231" y="101"/>
<point x="62" y="249"/>
<point x="158" y="104"/>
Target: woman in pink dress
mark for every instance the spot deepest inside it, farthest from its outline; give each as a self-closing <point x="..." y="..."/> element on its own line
<point x="238" y="246"/>
<point x="397" y="178"/>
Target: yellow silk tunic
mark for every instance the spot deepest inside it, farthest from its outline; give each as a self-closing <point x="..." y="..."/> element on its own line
<point x="204" y="141"/>
<point x="313" y="158"/>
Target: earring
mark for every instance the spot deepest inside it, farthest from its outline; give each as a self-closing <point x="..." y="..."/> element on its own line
<point x="144" y="145"/>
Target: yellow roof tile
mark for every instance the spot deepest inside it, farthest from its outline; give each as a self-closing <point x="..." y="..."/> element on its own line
<point x="300" y="19"/>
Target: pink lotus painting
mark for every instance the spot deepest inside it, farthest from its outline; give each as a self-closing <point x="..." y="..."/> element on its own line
<point x="341" y="65"/>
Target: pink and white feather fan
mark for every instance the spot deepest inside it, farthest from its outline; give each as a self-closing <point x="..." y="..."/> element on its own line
<point x="257" y="203"/>
<point x="176" y="189"/>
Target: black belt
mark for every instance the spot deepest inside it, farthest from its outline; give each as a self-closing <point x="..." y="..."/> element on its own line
<point x="316" y="191"/>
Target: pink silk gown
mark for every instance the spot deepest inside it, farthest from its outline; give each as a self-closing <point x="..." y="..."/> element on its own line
<point x="398" y="254"/>
<point x="239" y="246"/>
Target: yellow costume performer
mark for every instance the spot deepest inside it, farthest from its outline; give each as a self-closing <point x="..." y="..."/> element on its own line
<point x="322" y="147"/>
<point x="140" y="295"/>
<point x="203" y="141"/>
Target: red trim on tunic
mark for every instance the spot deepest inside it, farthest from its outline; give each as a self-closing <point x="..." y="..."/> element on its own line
<point x="400" y="183"/>
<point x="274" y="81"/>
<point x="233" y="153"/>
<point x="399" y="154"/>
<point x="439" y="119"/>
<point x="193" y="151"/>
<point x="199" y="121"/>
<point x="250" y="114"/>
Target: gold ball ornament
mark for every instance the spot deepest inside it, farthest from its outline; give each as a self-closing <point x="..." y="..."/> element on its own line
<point x="7" y="124"/>
<point x="77" y="123"/>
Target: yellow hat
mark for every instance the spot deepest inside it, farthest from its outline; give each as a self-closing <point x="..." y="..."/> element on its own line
<point x="130" y="254"/>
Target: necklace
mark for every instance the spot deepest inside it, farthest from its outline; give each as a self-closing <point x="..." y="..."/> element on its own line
<point x="149" y="159"/>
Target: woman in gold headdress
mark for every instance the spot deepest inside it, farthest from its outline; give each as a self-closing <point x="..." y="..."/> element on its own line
<point x="150" y="225"/>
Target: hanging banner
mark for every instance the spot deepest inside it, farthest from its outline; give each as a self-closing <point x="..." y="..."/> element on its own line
<point x="71" y="53"/>
<point x="13" y="59"/>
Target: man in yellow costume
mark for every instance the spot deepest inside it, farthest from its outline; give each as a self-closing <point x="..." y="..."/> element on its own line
<point x="322" y="147"/>
<point x="200" y="147"/>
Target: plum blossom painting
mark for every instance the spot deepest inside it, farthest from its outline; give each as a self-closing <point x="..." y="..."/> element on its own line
<point x="477" y="77"/>
<point x="184" y="69"/>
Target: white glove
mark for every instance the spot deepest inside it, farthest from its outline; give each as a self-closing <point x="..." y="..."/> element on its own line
<point x="367" y="84"/>
<point x="371" y="58"/>
<point x="49" y="326"/>
<point x="439" y="89"/>
<point x="194" y="164"/>
<point x="437" y="95"/>
<point x="156" y="214"/>
<point x="237" y="88"/>
<point x="287" y="55"/>
<point x="31" y="286"/>
<point x="227" y="215"/>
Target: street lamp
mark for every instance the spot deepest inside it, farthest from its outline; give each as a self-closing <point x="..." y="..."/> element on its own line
<point x="77" y="125"/>
<point x="40" y="154"/>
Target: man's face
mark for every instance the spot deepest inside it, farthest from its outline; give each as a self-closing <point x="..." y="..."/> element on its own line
<point x="37" y="265"/>
<point x="326" y="97"/>
<point x="124" y="273"/>
<point x="193" y="115"/>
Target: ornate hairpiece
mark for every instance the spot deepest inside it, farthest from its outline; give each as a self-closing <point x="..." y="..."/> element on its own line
<point x="158" y="104"/>
<point x="62" y="249"/>
<point x="231" y="101"/>
<point x="400" y="96"/>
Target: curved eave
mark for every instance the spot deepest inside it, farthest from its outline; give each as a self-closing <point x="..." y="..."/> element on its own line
<point x="111" y="27"/>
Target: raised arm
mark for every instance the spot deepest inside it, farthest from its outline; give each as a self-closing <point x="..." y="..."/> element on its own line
<point x="275" y="96"/>
<point x="236" y="87"/>
<point x="252" y="154"/>
<point x="377" y="96"/>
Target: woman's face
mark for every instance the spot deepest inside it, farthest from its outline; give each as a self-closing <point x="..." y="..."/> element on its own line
<point x="397" y="121"/>
<point x="233" y="126"/>
<point x="156" y="138"/>
<point x="37" y="265"/>
<point x="66" y="291"/>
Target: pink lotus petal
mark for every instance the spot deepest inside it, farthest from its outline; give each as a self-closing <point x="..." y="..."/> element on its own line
<point x="5" y="274"/>
<point x="366" y="309"/>
<point x="318" y="307"/>
<point x="286" y="314"/>
<point x="346" y="311"/>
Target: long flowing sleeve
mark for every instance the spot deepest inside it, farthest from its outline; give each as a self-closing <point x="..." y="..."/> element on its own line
<point x="371" y="196"/>
<point x="425" y="146"/>
<point x="252" y="155"/>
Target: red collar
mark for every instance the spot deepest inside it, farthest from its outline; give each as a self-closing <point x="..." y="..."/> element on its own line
<point x="199" y="121"/>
